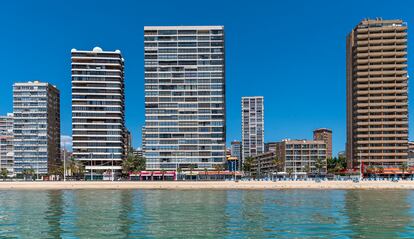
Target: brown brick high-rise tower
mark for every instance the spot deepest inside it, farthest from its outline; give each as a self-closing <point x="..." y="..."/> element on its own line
<point x="377" y="94"/>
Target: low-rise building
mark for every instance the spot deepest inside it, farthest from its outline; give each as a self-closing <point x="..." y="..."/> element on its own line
<point x="303" y="155"/>
<point x="292" y="157"/>
<point x="270" y="146"/>
<point x="264" y="164"/>
<point x="411" y="153"/>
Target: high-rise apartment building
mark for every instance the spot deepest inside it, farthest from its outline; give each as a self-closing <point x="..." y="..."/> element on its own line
<point x="184" y="97"/>
<point x="252" y="126"/>
<point x="36" y="127"/>
<point x="6" y="143"/>
<point x="377" y="87"/>
<point x="325" y="135"/>
<point x="98" y="109"/>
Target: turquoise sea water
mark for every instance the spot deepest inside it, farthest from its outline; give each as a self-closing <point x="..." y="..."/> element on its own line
<point x="206" y="214"/>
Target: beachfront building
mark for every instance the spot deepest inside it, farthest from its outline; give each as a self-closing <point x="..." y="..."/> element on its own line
<point x="377" y="93"/>
<point x="6" y="143"/>
<point x="270" y="146"/>
<point x="184" y="97"/>
<point x="264" y="164"/>
<point x="303" y="155"/>
<point x="295" y="157"/>
<point x="98" y="109"/>
<point x="411" y="153"/>
<point x="36" y="127"/>
<point x="235" y="151"/>
<point x="252" y="126"/>
<point x="325" y="135"/>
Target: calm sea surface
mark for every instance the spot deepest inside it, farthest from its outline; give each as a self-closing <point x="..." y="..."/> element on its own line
<point x="206" y="214"/>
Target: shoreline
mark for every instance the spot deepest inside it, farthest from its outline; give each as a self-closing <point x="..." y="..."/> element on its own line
<point x="206" y="185"/>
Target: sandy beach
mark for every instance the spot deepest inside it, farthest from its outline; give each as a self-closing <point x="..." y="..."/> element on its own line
<point x="217" y="185"/>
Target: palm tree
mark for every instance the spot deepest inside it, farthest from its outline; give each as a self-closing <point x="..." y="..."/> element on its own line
<point x="179" y="171"/>
<point x="338" y="167"/>
<point x="320" y="164"/>
<point x="191" y="167"/>
<point x="218" y="168"/>
<point x="28" y="172"/>
<point x="289" y="171"/>
<point x="380" y="169"/>
<point x="163" y="172"/>
<point x="76" y="168"/>
<point x="205" y="173"/>
<point x="403" y="168"/>
<point x="277" y="162"/>
<point x="247" y="165"/>
<point x="307" y="169"/>
<point x="4" y="173"/>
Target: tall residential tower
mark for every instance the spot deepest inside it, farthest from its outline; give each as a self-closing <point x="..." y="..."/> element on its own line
<point x="185" y="123"/>
<point x="252" y="126"/>
<point x="98" y="108"/>
<point x="377" y="88"/>
<point x="36" y="127"/>
<point x="6" y="143"/>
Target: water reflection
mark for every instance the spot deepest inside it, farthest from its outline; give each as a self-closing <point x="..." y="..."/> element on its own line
<point x="175" y="214"/>
<point x="206" y="214"/>
<point x="378" y="214"/>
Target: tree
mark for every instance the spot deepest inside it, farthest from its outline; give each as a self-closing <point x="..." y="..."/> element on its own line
<point x="277" y="162"/>
<point x="320" y="164"/>
<point x="179" y="171"/>
<point x="335" y="165"/>
<point x="218" y="168"/>
<point x="133" y="163"/>
<point x="205" y="173"/>
<point x="403" y="168"/>
<point x="247" y="165"/>
<point x="370" y="169"/>
<point x="380" y="170"/>
<point x="289" y="171"/>
<point x="307" y="168"/>
<point x="4" y="173"/>
<point x="28" y="172"/>
<point x="191" y="167"/>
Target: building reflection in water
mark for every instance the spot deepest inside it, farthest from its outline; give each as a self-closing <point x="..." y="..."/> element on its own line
<point x="100" y="214"/>
<point x="172" y="214"/>
<point x="378" y="213"/>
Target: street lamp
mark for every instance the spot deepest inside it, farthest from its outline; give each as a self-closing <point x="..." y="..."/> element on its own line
<point x="64" y="162"/>
<point x="91" y="168"/>
<point x="112" y="168"/>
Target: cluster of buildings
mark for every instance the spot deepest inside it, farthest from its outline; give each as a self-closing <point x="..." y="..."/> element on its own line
<point x="185" y="109"/>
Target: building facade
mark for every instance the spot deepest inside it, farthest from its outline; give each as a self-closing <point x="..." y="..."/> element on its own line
<point x="98" y="109"/>
<point x="6" y="143"/>
<point x="270" y="146"/>
<point x="185" y="123"/>
<point x="264" y="164"/>
<point x="294" y="156"/>
<point x="252" y="126"/>
<point x="303" y="155"/>
<point x="377" y="93"/>
<point x="236" y="151"/>
<point x="410" y="153"/>
<point x="325" y="135"/>
<point x="36" y="127"/>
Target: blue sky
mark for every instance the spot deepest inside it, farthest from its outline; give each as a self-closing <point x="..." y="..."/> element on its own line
<point x="291" y="52"/>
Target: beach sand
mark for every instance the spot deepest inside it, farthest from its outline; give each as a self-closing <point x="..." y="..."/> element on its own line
<point x="218" y="185"/>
